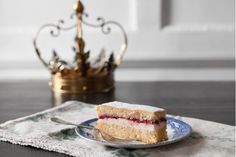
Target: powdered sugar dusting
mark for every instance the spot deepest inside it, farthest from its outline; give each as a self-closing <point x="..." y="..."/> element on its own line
<point x="147" y="108"/>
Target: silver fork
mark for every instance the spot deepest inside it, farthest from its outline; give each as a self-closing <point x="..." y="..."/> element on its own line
<point x="104" y="135"/>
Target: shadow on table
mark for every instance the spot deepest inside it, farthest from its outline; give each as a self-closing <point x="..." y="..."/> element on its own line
<point x="94" y="98"/>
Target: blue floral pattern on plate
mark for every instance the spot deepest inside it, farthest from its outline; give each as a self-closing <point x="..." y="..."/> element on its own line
<point x="176" y="129"/>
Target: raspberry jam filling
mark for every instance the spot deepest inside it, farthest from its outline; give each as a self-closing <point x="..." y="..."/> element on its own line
<point x="162" y="119"/>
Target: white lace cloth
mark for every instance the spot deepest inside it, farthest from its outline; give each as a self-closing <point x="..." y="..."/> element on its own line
<point x="209" y="139"/>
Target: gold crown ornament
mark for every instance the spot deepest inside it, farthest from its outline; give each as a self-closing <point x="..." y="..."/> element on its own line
<point x="83" y="75"/>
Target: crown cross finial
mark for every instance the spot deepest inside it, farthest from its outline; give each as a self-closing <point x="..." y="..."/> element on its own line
<point x="79" y="8"/>
<point x="81" y="56"/>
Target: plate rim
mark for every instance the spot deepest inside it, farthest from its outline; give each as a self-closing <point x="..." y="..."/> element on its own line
<point x="136" y="145"/>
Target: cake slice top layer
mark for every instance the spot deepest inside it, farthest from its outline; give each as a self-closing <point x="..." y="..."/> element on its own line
<point x="124" y="105"/>
<point x="130" y="111"/>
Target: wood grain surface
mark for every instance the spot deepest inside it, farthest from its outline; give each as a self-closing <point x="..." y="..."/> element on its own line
<point x="214" y="101"/>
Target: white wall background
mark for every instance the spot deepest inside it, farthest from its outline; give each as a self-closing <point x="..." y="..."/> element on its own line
<point x="157" y="30"/>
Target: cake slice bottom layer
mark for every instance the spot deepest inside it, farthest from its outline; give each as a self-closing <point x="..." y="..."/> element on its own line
<point x="122" y="132"/>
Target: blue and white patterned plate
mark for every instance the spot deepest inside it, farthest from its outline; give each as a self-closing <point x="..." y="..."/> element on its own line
<point x="176" y="130"/>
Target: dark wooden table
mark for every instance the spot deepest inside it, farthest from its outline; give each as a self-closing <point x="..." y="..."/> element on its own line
<point x="214" y="101"/>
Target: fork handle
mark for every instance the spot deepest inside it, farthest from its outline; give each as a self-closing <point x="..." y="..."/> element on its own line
<point x="61" y="121"/>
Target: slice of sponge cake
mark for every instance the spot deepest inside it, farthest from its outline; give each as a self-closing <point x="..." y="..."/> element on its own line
<point x="131" y="121"/>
